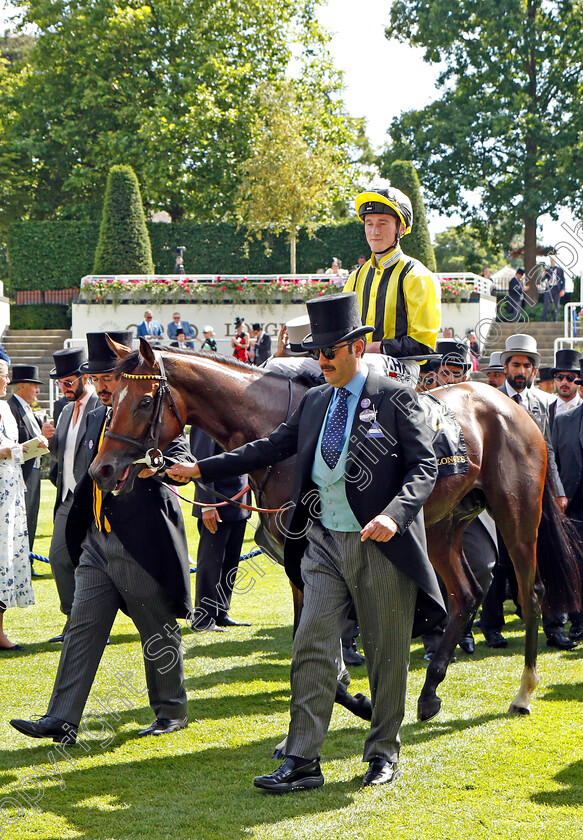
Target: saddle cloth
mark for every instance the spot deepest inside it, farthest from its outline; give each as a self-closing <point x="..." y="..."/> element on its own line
<point x="448" y="439"/>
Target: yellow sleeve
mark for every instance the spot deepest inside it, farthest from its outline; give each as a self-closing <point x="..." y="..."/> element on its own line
<point x="422" y="292"/>
<point x="350" y="285"/>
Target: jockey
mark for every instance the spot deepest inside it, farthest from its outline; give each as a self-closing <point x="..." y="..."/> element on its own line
<point x="397" y="295"/>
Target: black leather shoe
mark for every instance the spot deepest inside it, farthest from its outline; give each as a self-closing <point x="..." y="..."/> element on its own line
<point x="381" y="772"/>
<point x="11" y="648"/>
<point x="208" y="626"/>
<point x="352" y="657"/>
<point x="289" y="777"/>
<point x="495" y="639"/>
<point x="60" y="637"/>
<point x="558" y="639"/>
<point x="47" y="727"/>
<point x="467" y="643"/>
<point x="35" y="575"/>
<point x="162" y="726"/>
<point x="227" y="621"/>
<point x="576" y="632"/>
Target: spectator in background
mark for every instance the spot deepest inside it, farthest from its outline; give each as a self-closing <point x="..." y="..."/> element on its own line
<point x="261" y="344"/>
<point x="15" y="585"/>
<point x="554" y="283"/>
<point x="447" y="332"/>
<point x="240" y="341"/>
<point x="177" y="324"/>
<point x="474" y="349"/>
<point x="359" y="263"/>
<point x="290" y="358"/>
<point x="4" y="355"/>
<point x="209" y="344"/>
<point x="181" y="341"/>
<point x="26" y="387"/>
<point x="546" y="380"/>
<point x="336" y="273"/>
<point x="495" y="371"/>
<point x="149" y="328"/>
<point x="515" y="297"/>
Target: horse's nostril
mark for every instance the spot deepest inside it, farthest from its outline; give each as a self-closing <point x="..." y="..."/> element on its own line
<point x="106" y="471"/>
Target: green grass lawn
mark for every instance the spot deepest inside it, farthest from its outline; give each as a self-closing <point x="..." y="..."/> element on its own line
<point x="472" y="772"/>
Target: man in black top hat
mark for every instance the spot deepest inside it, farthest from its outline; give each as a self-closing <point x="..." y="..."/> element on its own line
<point x="365" y="466"/>
<point x="568" y="445"/>
<point x="565" y="373"/>
<point x="261" y="345"/>
<point x="130" y="553"/>
<point x="26" y="385"/>
<point x="66" y="443"/>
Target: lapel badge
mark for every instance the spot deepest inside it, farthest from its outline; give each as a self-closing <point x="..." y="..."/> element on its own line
<point x="90" y="444"/>
<point x="365" y="403"/>
<point x="368" y="415"/>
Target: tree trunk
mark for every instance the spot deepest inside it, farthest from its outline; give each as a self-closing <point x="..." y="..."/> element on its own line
<point x="292" y="253"/>
<point x="530" y="266"/>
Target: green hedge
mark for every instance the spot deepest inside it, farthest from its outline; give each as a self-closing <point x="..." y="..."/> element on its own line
<point x="37" y="316"/>
<point x="56" y="255"/>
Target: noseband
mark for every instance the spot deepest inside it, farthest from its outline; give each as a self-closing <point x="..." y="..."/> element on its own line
<point x="153" y="457"/>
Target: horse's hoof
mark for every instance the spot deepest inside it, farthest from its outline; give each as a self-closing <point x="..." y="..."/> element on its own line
<point x="363" y="709"/>
<point x="518" y="710"/>
<point x="427" y="709"/>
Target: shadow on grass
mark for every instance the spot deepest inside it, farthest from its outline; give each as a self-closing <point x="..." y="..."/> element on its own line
<point x="278" y="640"/>
<point x="199" y="795"/>
<point x="571" y="779"/>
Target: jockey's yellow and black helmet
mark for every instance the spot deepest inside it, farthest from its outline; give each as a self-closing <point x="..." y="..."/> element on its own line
<point x="390" y="200"/>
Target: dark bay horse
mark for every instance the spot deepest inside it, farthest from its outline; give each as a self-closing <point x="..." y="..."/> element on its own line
<point x="235" y="403"/>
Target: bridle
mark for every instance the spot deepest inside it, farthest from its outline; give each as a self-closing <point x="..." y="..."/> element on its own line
<point x="153" y="457"/>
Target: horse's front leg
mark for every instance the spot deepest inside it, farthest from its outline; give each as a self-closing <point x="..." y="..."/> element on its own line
<point x="445" y="551"/>
<point x="524" y="560"/>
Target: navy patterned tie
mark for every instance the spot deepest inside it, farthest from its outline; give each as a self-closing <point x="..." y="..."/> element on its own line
<point x="332" y="439"/>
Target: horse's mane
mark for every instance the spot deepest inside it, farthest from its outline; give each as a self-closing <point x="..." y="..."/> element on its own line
<point x="135" y="360"/>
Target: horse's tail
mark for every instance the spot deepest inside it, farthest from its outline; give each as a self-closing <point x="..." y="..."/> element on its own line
<point x="559" y="554"/>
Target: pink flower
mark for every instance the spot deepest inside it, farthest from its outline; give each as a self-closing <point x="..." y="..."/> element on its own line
<point x="239" y="288"/>
<point x="223" y="288"/>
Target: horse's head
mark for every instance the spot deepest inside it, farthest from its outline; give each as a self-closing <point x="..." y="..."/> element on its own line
<point x="145" y="419"/>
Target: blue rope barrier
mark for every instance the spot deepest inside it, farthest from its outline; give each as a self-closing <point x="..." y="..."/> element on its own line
<point x="243" y="557"/>
<point x="38" y="557"/>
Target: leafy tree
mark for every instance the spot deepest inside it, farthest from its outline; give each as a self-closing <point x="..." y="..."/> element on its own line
<point x="124" y="245"/>
<point x="462" y="248"/>
<point x="404" y="177"/>
<point x="507" y="129"/>
<point x="166" y="87"/>
<point x="299" y="163"/>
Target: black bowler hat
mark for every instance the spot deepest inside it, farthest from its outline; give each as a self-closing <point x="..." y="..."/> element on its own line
<point x="102" y="358"/>
<point x="25" y="373"/>
<point x="334" y="319"/>
<point x="67" y="362"/>
<point x="453" y="353"/>
<point x="566" y="360"/>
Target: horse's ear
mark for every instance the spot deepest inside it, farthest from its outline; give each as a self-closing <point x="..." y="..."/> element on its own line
<point x="120" y="350"/>
<point x="146" y="352"/>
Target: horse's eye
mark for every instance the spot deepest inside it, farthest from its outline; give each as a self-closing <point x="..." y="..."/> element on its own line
<point x="145" y="402"/>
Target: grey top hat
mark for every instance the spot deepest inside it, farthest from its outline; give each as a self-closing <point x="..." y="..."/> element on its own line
<point x="566" y="360"/>
<point x="102" y="359"/>
<point x="334" y="319"/>
<point x="520" y="345"/>
<point x="495" y="363"/>
<point x="25" y="373"/>
<point x="453" y="353"/>
<point x="297" y="330"/>
<point x="67" y="362"/>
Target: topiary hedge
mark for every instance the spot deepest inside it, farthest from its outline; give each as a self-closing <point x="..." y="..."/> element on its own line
<point x="38" y="316"/>
<point x="56" y="255"/>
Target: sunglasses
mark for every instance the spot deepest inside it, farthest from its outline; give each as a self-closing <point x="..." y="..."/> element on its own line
<point x="67" y="383"/>
<point x="570" y="377"/>
<point x="329" y="352"/>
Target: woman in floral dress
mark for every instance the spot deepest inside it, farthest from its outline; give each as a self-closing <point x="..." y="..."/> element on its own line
<point x="15" y="585"/>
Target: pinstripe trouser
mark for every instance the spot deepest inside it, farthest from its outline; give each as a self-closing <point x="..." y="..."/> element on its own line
<point x="107" y="577"/>
<point x="338" y="568"/>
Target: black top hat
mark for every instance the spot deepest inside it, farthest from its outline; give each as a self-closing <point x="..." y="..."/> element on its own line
<point x="333" y="319"/>
<point x="580" y="380"/>
<point x="102" y="359"/>
<point x="67" y="362"/>
<point x="566" y="360"/>
<point x="545" y="374"/>
<point x="25" y="373"/>
<point x="454" y="353"/>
